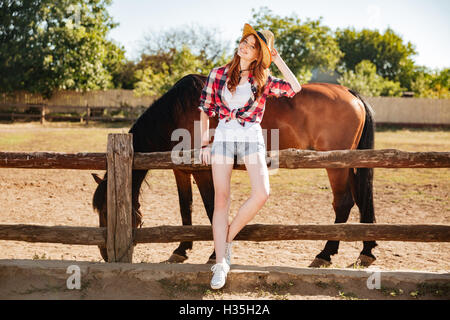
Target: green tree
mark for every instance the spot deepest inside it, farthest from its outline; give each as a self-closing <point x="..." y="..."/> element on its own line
<point x="431" y="83"/>
<point x="391" y="56"/>
<point x="47" y="45"/>
<point x="366" y="81"/>
<point x="304" y="46"/>
<point x="163" y="71"/>
<point x="125" y="76"/>
<point x="168" y="55"/>
<point x="203" y="42"/>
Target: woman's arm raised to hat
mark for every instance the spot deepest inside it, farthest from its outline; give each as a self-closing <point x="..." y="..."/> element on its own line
<point x="287" y="73"/>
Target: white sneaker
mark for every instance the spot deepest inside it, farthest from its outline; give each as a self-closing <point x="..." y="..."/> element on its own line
<point x="220" y="275"/>
<point x="228" y="252"/>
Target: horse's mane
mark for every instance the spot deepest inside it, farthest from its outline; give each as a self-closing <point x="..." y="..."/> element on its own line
<point x="151" y="128"/>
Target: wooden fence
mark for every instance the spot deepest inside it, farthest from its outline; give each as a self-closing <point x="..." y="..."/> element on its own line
<point x="43" y="113"/>
<point x="121" y="105"/>
<point x="120" y="159"/>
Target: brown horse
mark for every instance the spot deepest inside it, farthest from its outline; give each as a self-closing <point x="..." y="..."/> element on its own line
<point x="320" y="117"/>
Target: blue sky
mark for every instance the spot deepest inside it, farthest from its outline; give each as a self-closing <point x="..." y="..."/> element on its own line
<point x="425" y="23"/>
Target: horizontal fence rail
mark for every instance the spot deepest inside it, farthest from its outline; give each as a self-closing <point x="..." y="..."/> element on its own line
<point x="54" y="234"/>
<point x="288" y="158"/>
<point x="255" y="232"/>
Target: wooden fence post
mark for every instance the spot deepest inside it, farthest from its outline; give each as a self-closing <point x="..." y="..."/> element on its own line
<point x="88" y="114"/>
<point x="119" y="241"/>
<point x="43" y="112"/>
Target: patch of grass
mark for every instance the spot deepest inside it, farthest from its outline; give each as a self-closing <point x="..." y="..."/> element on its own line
<point x="213" y="294"/>
<point x="326" y="285"/>
<point x="357" y="266"/>
<point x="348" y="295"/>
<point x="42" y="257"/>
<point x="174" y="289"/>
<point x="393" y="292"/>
<point x="434" y="289"/>
<point x="57" y="139"/>
<point x="413" y="140"/>
<point x="276" y="291"/>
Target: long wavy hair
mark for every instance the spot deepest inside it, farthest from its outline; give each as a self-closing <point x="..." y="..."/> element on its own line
<point x="259" y="73"/>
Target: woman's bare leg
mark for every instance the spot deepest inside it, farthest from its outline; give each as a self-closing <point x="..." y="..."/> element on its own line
<point x="259" y="179"/>
<point x="222" y="168"/>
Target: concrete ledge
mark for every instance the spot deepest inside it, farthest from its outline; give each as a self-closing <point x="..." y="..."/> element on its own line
<point x="47" y="279"/>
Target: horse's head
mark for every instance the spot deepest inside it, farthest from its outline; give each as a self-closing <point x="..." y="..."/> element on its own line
<point x="99" y="205"/>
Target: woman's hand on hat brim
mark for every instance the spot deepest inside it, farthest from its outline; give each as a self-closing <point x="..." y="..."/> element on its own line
<point x="274" y="54"/>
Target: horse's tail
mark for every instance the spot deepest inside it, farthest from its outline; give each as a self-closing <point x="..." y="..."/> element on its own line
<point x="363" y="192"/>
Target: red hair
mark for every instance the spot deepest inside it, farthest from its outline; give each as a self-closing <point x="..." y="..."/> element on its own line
<point x="260" y="74"/>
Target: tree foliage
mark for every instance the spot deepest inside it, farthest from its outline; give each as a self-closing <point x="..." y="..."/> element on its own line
<point x="169" y="55"/>
<point x="432" y="84"/>
<point x="366" y="81"/>
<point x="160" y="74"/>
<point x="304" y="46"/>
<point x="387" y="51"/>
<point x="47" y="45"/>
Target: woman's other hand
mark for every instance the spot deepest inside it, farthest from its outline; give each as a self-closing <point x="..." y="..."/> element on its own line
<point x="205" y="155"/>
<point x="274" y="54"/>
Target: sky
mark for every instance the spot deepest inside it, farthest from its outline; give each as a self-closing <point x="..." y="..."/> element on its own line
<point x="424" y="23"/>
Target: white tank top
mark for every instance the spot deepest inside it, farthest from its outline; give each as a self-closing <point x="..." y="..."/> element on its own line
<point x="233" y="131"/>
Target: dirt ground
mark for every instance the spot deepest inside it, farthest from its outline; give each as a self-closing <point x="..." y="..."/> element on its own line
<point x="63" y="197"/>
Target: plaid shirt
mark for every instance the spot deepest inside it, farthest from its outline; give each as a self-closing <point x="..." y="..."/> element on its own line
<point x="212" y="100"/>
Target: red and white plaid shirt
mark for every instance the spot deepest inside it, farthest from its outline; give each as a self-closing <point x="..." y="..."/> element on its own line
<point x="212" y="100"/>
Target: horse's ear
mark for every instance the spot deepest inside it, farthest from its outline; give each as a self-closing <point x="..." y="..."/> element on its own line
<point x="97" y="178"/>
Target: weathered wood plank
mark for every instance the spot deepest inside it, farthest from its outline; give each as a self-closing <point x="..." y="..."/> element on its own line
<point x="53" y="160"/>
<point x="342" y="232"/>
<point x="119" y="242"/>
<point x="254" y="232"/>
<point x="54" y="234"/>
<point x="295" y="159"/>
<point x="288" y="158"/>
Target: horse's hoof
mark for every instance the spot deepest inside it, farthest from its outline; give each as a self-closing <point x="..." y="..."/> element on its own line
<point x="319" y="263"/>
<point x="211" y="261"/>
<point x="104" y="253"/>
<point x="363" y="261"/>
<point x="175" y="258"/>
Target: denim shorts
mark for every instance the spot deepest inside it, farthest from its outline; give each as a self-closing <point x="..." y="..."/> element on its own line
<point x="229" y="150"/>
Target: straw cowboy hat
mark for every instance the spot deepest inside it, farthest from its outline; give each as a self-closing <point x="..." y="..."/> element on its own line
<point x="265" y="38"/>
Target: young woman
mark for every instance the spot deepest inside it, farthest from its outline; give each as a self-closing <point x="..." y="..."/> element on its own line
<point x="237" y="93"/>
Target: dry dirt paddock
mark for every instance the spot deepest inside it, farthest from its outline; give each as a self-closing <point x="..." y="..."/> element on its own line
<point x="303" y="196"/>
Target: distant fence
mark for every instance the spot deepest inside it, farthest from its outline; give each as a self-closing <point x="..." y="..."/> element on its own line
<point x="411" y="111"/>
<point x="84" y="114"/>
<point x="123" y="105"/>
<point x="66" y="99"/>
<point x="107" y="105"/>
<point x="119" y="236"/>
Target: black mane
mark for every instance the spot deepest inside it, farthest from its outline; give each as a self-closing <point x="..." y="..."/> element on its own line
<point x="151" y="128"/>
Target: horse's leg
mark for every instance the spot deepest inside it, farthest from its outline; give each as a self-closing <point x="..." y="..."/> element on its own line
<point x="362" y="190"/>
<point x="342" y="204"/>
<point x="205" y="185"/>
<point x="138" y="177"/>
<point x="184" y="187"/>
